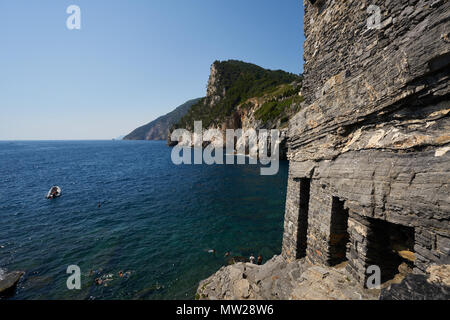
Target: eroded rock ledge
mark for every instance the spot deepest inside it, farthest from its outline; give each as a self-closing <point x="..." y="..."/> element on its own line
<point x="282" y="280"/>
<point x="300" y="280"/>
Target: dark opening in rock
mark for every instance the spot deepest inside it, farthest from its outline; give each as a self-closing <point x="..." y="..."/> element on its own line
<point x="339" y="236"/>
<point x="321" y="5"/>
<point x="302" y="231"/>
<point x="390" y="246"/>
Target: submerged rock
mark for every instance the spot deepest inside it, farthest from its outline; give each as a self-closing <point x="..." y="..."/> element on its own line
<point x="8" y="283"/>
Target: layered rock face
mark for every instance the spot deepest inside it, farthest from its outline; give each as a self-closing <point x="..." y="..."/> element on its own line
<point x="215" y="92"/>
<point x="369" y="175"/>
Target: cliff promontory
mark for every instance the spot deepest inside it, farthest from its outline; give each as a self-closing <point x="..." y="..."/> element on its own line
<point x="245" y="96"/>
<point x="159" y="128"/>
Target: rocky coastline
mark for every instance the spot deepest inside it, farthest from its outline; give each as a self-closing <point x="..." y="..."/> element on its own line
<point x="279" y="279"/>
<point x="369" y="161"/>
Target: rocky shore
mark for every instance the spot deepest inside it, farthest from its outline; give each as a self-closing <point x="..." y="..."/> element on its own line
<point x="8" y="283"/>
<point x="368" y="161"/>
<point x="279" y="279"/>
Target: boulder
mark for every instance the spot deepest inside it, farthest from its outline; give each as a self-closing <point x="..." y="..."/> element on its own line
<point x="8" y="283"/>
<point x="242" y="289"/>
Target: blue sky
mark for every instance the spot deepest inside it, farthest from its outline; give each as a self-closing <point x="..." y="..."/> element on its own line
<point x="131" y="62"/>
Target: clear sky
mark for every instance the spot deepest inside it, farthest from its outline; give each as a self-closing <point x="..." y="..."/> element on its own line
<point x="132" y="60"/>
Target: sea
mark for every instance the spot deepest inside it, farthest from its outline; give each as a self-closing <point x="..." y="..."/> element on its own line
<point x="136" y="225"/>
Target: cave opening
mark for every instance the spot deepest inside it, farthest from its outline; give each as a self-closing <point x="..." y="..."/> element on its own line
<point x="302" y="231"/>
<point x="391" y="247"/>
<point x="339" y="236"/>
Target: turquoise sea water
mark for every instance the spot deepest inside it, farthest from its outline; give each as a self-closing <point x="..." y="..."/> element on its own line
<point x="157" y="220"/>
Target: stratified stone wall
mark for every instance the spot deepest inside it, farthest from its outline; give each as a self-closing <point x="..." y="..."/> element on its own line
<point x="292" y="249"/>
<point x="357" y="260"/>
<point x="319" y="218"/>
<point x="373" y="134"/>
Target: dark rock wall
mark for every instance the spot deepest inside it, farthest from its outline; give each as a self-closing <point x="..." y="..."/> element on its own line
<point x="339" y="41"/>
<point x="375" y="132"/>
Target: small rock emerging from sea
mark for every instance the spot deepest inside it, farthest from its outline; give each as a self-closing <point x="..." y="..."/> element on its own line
<point x="8" y="283"/>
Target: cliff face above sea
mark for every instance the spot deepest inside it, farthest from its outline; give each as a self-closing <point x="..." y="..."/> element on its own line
<point x="245" y="96"/>
<point x="159" y="128"/>
<point x="239" y="96"/>
<point x="368" y="159"/>
<point x="242" y="93"/>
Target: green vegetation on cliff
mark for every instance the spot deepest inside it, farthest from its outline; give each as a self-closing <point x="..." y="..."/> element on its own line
<point x="232" y="83"/>
<point x="278" y="103"/>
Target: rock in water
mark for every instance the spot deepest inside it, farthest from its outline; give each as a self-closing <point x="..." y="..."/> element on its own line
<point x="9" y="282"/>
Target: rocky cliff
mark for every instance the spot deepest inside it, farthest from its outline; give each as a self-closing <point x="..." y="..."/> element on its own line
<point x="370" y="146"/>
<point x="159" y="128"/>
<point x="281" y="280"/>
<point x="245" y="96"/>
<point x="369" y="173"/>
